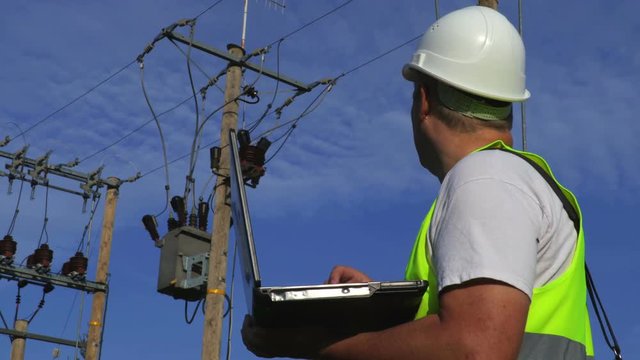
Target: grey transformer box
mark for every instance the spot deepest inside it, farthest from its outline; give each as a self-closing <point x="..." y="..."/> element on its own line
<point x="184" y="263"/>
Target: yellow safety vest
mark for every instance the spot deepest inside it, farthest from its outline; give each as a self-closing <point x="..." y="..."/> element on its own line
<point x="558" y="321"/>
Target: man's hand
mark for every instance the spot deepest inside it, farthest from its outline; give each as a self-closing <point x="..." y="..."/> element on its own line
<point x="344" y="274"/>
<point x="299" y="343"/>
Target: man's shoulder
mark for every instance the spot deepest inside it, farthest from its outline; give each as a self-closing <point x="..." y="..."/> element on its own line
<point x="491" y="164"/>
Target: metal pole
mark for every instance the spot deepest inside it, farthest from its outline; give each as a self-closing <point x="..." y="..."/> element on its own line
<point x="99" y="298"/>
<point x="18" y="344"/>
<point x="216" y="282"/>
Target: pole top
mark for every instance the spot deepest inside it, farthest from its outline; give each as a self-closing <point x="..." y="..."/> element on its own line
<point x="236" y="46"/>
<point x="113" y="182"/>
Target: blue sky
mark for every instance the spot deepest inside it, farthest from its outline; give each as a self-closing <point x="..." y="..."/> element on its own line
<point x="345" y="189"/>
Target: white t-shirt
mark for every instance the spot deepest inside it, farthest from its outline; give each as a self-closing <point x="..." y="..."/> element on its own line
<point x="497" y="218"/>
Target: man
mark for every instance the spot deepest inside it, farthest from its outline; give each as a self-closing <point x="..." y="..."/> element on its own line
<point x="504" y="260"/>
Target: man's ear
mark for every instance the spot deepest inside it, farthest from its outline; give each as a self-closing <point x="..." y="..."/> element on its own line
<point x="423" y="93"/>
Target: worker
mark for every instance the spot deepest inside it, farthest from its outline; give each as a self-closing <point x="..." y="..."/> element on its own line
<point x="503" y="257"/>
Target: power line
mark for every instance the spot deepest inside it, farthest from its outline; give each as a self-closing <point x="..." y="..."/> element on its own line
<point x="379" y="56"/>
<point x="313" y="21"/>
<point x="38" y="123"/>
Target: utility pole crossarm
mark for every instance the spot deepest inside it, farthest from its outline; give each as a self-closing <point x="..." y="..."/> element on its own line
<point x="238" y="60"/>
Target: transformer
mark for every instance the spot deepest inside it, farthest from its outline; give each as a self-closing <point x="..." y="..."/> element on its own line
<point x="184" y="263"/>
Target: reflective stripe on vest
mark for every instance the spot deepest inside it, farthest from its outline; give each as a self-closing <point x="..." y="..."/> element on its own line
<point x="558" y="320"/>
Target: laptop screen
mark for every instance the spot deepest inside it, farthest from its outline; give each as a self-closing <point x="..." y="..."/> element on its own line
<point x="242" y="224"/>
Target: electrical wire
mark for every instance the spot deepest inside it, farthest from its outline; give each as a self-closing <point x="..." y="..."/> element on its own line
<point x="193" y="315"/>
<point x="207" y="9"/>
<point x="15" y="213"/>
<point x="312" y="21"/>
<point x="197" y="66"/>
<point x="379" y="56"/>
<point x="6" y="326"/>
<point x="43" y="232"/>
<point x="108" y="78"/>
<point x="193" y="159"/>
<point x="162" y="141"/>
<point x="134" y="130"/>
<point x="523" y="116"/>
<point x="94" y="207"/>
<point x="309" y="109"/>
<point x="255" y="124"/>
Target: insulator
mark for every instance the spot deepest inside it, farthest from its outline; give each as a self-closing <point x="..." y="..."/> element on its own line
<point x="76" y="266"/>
<point x="43" y="256"/>
<point x="177" y="204"/>
<point x="263" y="144"/>
<point x="172" y="224"/>
<point x="66" y="268"/>
<point x="214" y="157"/>
<point x="22" y="283"/>
<point x="203" y="215"/>
<point x="79" y="263"/>
<point x="253" y="155"/>
<point x="244" y="138"/>
<point x="8" y="246"/>
<point x="31" y="261"/>
<point x="193" y="219"/>
<point x="149" y="222"/>
<point x="47" y="289"/>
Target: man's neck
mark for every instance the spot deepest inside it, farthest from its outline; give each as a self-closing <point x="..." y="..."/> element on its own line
<point x="458" y="145"/>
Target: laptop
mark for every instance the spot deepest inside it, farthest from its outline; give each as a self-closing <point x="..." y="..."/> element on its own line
<point x="353" y="307"/>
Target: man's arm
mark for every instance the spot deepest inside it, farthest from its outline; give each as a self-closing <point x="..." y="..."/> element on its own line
<point x="481" y="319"/>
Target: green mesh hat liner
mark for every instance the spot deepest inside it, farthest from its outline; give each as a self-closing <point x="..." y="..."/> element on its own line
<point x="472" y="106"/>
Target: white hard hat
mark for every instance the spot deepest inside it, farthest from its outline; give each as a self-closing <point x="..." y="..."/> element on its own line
<point x="475" y="49"/>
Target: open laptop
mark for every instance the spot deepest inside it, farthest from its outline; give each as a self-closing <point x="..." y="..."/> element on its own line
<point x="354" y="307"/>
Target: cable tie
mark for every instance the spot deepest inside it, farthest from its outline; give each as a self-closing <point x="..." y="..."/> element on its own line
<point x="216" y="291"/>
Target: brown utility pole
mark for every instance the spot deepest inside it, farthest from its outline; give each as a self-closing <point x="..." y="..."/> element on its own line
<point x="18" y="344"/>
<point x="489" y="3"/>
<point x="216" y="282"/>
<point x="96" y="321"/>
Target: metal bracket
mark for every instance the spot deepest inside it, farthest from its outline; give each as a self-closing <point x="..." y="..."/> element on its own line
<point x="196" y="270"/>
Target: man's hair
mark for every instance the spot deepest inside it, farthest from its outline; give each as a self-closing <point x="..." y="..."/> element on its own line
<point x="499" y="112"/>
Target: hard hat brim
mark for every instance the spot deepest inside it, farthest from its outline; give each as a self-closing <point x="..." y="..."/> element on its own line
<point x="414" y="73"/>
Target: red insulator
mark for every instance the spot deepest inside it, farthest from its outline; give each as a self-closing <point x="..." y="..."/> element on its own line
<point x="66" y="269"/>
<point x="79" y="263"/>
<point x="8" y="246"/>
<point x="43" y="256"/>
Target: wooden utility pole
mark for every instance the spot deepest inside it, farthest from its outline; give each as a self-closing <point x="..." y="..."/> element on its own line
<point x="216" y="283"/>
<point x="96" y="321"/>
<point x="18" y="344"/>
<point x="489" y="3"/>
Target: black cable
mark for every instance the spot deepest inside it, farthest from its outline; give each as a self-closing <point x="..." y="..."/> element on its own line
<point x="135" y="130"/>
<point x="295" y="121"/>
<point x="38" y="308"/>
<point x="193" y="160"/>
<point x="162" y="141"/>
<point x="6" y="326"/>
<point x="15" y="213"/>
<point x="193" y="316"/>
<point x="96" y="201"/>
<point x="256" y="123"/>
<point x="313" y="21"/>
<point x="207" y="9"/>
<point x="43" y="232"/>
<point x="76" y="99"/>
<point x="595" y="301"/>
<point x="379" y="56"/>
